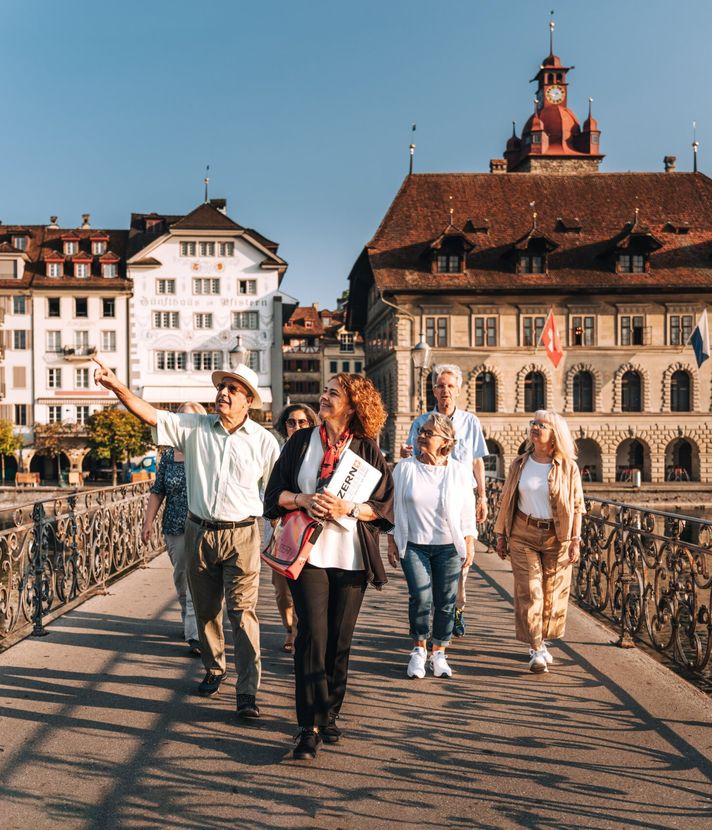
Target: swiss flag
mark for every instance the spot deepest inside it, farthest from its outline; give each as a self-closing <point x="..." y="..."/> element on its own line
<point x="551" y="341"/>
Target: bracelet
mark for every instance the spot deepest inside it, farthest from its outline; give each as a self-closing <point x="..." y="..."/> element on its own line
<point x="296" y="504"/>
<point x="575" y="539"/>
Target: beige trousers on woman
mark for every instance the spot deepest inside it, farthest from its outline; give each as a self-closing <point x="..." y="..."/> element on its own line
<point x="542" y="579"/>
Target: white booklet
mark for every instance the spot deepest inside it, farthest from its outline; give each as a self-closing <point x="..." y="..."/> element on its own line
<point x="353" y="480"/>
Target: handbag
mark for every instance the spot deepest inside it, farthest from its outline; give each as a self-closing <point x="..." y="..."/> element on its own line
<point x="291" y="543"/>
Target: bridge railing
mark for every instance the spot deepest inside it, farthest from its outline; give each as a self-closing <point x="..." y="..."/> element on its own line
<point x="647" y="571"/>
<point x="57" y="552"/>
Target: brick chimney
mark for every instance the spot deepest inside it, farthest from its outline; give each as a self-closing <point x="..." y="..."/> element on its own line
<point x="85" y="221"/>
<point x="498" y="166"/>
<point x="669" y="162"/>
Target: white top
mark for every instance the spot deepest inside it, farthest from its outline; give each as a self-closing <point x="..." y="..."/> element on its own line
<point x="534" y="490"/>
<point x="447" y="492"/>
<point x="427" y="523"/>
<point x="223" y="470"/>
<point x="470" y="442"/>
<point x="336" y="547"/>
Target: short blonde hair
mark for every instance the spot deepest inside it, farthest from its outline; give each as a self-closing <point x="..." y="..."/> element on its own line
<point x="564" y="446"/>
<point x="444" y="428"/>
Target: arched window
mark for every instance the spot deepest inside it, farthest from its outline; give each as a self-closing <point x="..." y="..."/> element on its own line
<point x="534" y="387"/>
<point x="486" y="392"/>
<point x="583" y="392"/>
<point x="630" y="392"/>
<point x="680" y="391"/>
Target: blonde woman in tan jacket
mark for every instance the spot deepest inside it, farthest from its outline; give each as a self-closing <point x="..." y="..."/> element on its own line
<point x="539" y="525"/>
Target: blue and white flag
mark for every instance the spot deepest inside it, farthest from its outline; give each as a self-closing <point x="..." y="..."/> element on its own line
<point x="700" y="339"/>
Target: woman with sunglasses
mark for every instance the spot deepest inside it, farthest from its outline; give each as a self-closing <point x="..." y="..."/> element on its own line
<point x="539" y="524"/>
<point x="291" y="419"/>
<point x="434" y="538"/>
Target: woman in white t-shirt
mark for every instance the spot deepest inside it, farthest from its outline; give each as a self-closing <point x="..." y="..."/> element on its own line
<point x="539" y="525"/>
<point x="434" y="538"/>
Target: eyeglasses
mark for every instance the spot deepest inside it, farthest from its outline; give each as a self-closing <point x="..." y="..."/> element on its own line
<point x="297" y="422"/>
<point x="539" y="424"/>
<point x="428" y="433"/>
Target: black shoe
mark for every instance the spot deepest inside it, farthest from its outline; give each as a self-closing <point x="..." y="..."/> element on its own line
<point x="331" y="733"/>
<point x="194" y="647"/>
<point x="247" y="707"/>
<point x="306" y="749"/>
<point x="210" y="684"/>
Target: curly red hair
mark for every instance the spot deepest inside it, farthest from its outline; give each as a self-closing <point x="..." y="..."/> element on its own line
<point x="369" y="412"/>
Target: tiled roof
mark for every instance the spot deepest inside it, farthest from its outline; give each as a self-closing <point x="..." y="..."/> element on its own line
<point x="206" y="218"/>
<point x="398" y="257"/>
<point x="305" y="321"/>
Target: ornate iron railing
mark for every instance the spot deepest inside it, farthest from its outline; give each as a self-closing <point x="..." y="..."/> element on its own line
<point x="648" y="572"/>
<point x="58" y="552"/>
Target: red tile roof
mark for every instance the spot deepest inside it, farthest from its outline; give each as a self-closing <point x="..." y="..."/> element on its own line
<point x="398" y="257"/>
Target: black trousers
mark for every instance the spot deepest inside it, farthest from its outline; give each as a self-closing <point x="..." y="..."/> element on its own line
<point x="327" y="602"/>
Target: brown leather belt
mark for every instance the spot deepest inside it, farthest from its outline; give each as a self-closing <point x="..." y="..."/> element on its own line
<point x="539" y="524"/>
<point x="208" y="525"/>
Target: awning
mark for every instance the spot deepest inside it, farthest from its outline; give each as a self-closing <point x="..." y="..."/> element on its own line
<point x="180" y="394"/>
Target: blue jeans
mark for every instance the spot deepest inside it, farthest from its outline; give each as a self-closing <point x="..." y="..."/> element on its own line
<point x="432" y="573"/>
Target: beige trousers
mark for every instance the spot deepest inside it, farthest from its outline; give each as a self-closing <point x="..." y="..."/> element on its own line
<point x="226" y="563"/>
<point x="542" y="579"/>
<point x="285" y="603"/>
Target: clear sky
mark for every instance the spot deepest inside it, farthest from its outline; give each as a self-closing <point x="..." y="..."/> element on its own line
<point x="303" y="108"/>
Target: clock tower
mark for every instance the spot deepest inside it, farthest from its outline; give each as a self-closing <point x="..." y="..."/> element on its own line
<point x="552" y="140"/>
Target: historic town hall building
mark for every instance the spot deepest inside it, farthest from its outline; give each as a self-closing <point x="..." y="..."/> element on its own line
<point x="475" y="261"/>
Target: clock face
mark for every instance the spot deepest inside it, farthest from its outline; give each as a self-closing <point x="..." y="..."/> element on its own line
<point x="555" y="94"/>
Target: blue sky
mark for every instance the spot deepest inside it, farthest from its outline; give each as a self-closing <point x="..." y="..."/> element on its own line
<point x="303" y="109"/>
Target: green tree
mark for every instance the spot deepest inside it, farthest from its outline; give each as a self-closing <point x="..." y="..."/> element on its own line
<point x="115" y="435"/>
<point x="54" y="439"/>
<point x="9" y="442"/>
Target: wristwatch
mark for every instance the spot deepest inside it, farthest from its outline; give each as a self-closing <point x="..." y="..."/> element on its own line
<point x="355" y="510"/>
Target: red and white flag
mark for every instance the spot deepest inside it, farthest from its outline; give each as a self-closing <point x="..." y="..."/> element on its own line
<point x="551" y="341"/>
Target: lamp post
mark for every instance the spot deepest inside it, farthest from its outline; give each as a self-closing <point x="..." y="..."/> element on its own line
<point x="237" y="354"/>
<point x="420" y="355"/>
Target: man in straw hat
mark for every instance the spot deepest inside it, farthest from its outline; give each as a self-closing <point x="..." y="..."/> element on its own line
<point x="227" y="459"/>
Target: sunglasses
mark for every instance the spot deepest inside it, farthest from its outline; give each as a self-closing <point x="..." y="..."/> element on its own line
<point x="539" y="424"/>
<point x="297" y="422"/>
<point x="428" y="433"/>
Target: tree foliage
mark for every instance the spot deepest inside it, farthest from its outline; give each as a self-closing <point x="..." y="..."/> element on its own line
<point x="116" y="435"/>
<point x="9" y="442"/>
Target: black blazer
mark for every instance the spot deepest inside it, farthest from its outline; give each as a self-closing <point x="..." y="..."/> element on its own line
<point x="284" y="477"/>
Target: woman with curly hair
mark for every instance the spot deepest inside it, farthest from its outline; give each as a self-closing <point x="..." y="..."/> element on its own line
<point x="329" y="591"/>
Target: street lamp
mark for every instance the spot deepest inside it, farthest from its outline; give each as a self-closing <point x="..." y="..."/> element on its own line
<point x="420" y="355"/>
<point x="237" y="354"/>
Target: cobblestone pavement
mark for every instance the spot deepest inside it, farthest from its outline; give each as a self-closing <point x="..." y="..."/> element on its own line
<point x="99" y="728"/>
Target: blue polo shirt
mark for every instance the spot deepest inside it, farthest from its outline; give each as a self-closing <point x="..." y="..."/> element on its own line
<point x="470" y="442"/>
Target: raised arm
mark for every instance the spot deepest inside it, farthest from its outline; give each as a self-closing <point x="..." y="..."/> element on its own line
<point x="143" y="410"/>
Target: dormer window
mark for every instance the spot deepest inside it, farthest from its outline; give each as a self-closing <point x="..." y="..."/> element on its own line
<point x="19" y="242"/>
<point x="98" y="247"/>
<point x="631" y="264"/>
<point x="531" y="264"/>
<point x="54" y="269"/>
<point x="449" y="263"/>
<point x="81" y="270"/>
<point x="109" y="270"/>
<point x="71" y="246"/>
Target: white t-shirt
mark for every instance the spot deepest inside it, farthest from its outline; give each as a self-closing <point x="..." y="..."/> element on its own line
<point x="534" y="490"/>
<point x="427" y="517"/>
<point x="336" y="547"/>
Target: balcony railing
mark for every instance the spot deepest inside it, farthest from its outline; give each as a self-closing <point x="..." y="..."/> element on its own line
<point x="57" y="553"/>
<point x="648" y="572"/>
<point x="78" y="352"/>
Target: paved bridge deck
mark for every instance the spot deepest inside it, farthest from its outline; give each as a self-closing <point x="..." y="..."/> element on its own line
<point x="99" y="729"/>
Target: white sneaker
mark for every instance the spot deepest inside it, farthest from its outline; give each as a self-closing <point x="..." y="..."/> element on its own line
<point x="416" y="666"/>
<point x="547" y="655"/>
<point x="438" y="664"/>
<point x="538" y="662"/>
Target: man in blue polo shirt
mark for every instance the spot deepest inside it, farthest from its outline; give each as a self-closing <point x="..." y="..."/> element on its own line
<point x="470" y="448"/>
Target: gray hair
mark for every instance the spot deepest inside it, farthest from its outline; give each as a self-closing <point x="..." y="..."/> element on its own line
<point x="451" y="368"/>
<point x="443" y="426"/>
<point x="192" y="407"/>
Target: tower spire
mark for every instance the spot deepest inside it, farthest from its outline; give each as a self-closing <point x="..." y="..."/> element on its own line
<point x="206" y="181"/>
<point x="412" y="151"/>
<point x="695" y="146"/>
<point x="552" y="26"/>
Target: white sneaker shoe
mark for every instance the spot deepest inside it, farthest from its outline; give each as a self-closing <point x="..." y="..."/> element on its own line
<point x="416" y="666"/>
<point x="547" y="655"/>
<point x="538" y="662"/>
<point x="438" y="664"/>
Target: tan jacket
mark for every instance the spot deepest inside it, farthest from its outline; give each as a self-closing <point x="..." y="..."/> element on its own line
<point x="565" y="495"/>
